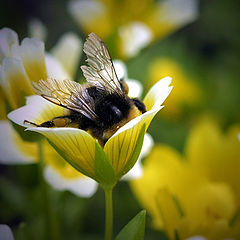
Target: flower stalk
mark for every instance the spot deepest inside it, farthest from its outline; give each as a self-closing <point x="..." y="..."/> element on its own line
<point x="108" y="214"/>
<point x="50" y="228"/>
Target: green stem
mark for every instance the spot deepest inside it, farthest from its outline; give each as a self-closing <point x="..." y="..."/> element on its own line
<point x="50" y="231"/>
<point x="109" y="214"/>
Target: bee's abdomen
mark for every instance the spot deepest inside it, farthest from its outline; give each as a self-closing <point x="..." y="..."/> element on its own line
<point x="111" y="109"/>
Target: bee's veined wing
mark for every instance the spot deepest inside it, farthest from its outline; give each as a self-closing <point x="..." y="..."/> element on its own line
<point x="100" y="71"/>
<point x="68" y="94"/>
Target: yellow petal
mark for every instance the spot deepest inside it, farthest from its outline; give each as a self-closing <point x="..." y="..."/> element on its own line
<point x="121" y="145"/>
<point x="3" y="113"/>
<point x="15" y="82"/>
<point x="92" y="16"/>
<point x="214" y="154"/>
<point x="169" y="211"/>
<point x="75" y="143"/>
<point x="31" y="52"/>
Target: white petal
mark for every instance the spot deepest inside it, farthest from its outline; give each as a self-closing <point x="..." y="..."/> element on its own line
<point x="37" y="29"/>
<point x="55" y="69"/>
<point x="135" y="36"/>
<point x="84" y="11"/>
<point x="5" y="232"/>
<point x="37" y="110"/>
<point x="158" y="93"/>
<point x="178" y="12"/>
<point x="135" y="173"/>
<point x="82" y="186"/>
<point x="147" y="146"/>
<point x="196" y="238"/>
<point x="120" y="69"/>
<point x="7" y="38"/>
<point x="31" y="49"/>
<point x="135" y="88"/>
<point x="9" y="152"/>
<point x="67" y="51"/>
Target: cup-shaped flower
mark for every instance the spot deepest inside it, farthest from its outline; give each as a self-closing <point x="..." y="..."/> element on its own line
<point x="105" y="164"/>
<point x="22" y="63"/>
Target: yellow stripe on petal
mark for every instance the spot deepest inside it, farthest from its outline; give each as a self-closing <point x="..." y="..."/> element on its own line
<point x="15" y="82"/>
<point x="3" y="113"/>
<point x="31" y="52"/>
<point x="120" y="147"/>
<point x="76" y="144"/>
<point x="56" y="162"/>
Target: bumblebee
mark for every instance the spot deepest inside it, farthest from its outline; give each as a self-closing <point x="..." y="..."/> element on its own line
<point x="101" y="106"/>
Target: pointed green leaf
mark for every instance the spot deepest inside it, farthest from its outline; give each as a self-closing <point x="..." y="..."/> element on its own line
<point x="136" y="151"/>
<point x="135" y="229"/>
<point x="65" y="157"/>
<point x="103" y="169"/>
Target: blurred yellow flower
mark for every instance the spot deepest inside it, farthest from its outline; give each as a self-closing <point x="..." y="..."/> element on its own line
<point x="131" y="24"/>
<point x="186" y="92"/>
<point x="81" y="148"/>
<point x="197" y="194"/>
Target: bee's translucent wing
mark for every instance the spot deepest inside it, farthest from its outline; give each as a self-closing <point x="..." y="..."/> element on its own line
<point x="68" y="94"/>
<point x="100" y="71"/>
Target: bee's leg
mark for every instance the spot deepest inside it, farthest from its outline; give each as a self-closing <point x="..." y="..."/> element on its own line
<point x="47" y="124"/>
<point x="32" y="123"/>
<point x="61" y="121"/>
<point x="55" y="122"/>
<point x="139" y="104"/>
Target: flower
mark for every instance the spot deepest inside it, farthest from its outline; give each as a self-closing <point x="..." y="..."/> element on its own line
<point x="196" y="194"/>
<point x="105" y="165"/>
<point x="132" y="25"/>
<point x="186" y="92"/>
<point x="20" y="65"/>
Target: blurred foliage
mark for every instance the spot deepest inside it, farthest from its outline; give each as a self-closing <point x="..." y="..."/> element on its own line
<point x="208" y="50"/>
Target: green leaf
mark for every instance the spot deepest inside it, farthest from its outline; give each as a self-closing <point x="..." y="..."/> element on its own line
<point x="135" y="229"/>
<point x="136" y="151"/>
<point x="66" y="158"/>
<point x="103" y="169"/>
